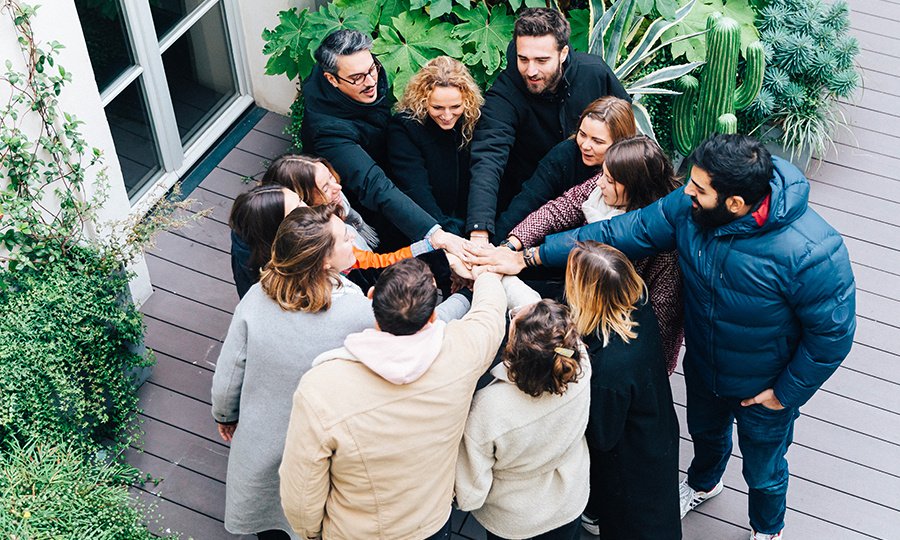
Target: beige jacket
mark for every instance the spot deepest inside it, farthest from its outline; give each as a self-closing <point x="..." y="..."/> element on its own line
<point x="523" y="466"/>
<point x="366" y="458"/>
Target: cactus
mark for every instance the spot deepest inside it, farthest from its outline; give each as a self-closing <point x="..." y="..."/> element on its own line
<point x="707" y="107"/>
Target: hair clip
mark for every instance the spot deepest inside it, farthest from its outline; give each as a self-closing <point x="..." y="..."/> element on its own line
<point x="568" y="353"/>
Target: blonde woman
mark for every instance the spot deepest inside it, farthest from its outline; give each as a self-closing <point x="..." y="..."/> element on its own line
<point x="301" y="298"/>
<point x="632" y="431"/>
<point x="429" y="139"/>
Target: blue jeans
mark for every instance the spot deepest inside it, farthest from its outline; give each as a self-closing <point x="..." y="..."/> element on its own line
<point x="764" y="436"/>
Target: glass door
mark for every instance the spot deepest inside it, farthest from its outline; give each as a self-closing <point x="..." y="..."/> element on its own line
<point x="171" y="80"/>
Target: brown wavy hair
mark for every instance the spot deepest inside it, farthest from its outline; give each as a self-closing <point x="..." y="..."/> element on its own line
<point x="615" y="112"/>
<point x="255" y="218"/>
<point x="449" y="73"/>
<point x="297" y="172"/>
<point x="641" y="166"/>
<point x="603" y="289"/>
<point x="296" y="276"/>
<point x="531" y="359"/>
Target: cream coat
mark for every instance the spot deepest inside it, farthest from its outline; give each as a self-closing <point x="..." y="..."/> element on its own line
<point x="366" y="458"/>
<point x="523" y="465"/>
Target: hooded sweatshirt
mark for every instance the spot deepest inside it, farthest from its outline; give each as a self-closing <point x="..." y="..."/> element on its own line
<point x="352" y="136"/>
<point x="371" y="448"/>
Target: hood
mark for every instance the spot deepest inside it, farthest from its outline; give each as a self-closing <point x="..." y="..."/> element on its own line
<point x="396" y="359"/>
<point x="320" y="96"/>
<point x="512" y="72"/>
<point x="787" y="202"/>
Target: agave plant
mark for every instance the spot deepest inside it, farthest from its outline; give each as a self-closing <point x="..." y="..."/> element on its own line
<point x="615" y="34"/>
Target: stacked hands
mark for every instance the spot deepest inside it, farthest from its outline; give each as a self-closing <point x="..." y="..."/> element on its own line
<point x="477" y="258"/>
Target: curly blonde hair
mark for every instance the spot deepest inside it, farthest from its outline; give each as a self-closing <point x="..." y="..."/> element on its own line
<point x="447" y="72"/>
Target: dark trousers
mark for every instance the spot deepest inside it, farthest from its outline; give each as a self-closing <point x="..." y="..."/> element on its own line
<point x="273" y="534"/>
<point x="764" y="436"/>
<point x="569" y="531"/>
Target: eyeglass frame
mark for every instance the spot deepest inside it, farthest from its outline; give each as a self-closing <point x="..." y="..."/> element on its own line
<point x="369" y="73"/>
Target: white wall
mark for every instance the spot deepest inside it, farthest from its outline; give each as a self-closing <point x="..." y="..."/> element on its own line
<point x="275" y="93"/>
<point x="58" y="21"/>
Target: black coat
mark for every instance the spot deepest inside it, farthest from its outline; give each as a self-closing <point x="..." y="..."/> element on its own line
<point x="561" y="169"/>
<point x="353" y="137"/>
<point x="632" y="436"/>
<point x="427" y="163"/>
<point x="518" y="128"/>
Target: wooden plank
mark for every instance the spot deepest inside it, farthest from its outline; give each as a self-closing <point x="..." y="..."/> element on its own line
<point x="855" y="415"/>
<point x="194" y="255"/>
<point x="243" y="163"/>
<point x="181" y="486"/>
<point x="274" y="124"/>
<point x="870" y="98"/>
<point x="879" y="307"/>
<point x="226" y="183"/>
<point x="207" y="232"/>
<point x="164" y="337"/>
<point x="188" y="314"/>
<point x="868" y="22"/>
<point x="879" y="8"/>
<point x="879" y="336"/>
<point x="887" y="166"/>
<point x="871" y="255"/>
<point x="837" y="174"/>
<point x="875" y="79"/>
<point x="874" y="120"/>
<point x="866" y="388"/>
<point x="868" y="140"/>
<point x="870" y="360"/>
<point x="192" y="284"/>
<point x="219" y="205"/>
<point x="178" y="410"/>
<point x="264" y="145"/>
<point x="854" y="202"/>
<point x="875" y="280"/>
<point x="188" y="450"/>
<point x="860" y="227"/>
<point x="183" y="377"/>
<point x="869" y="41"/>
<point x="167" y="518"/>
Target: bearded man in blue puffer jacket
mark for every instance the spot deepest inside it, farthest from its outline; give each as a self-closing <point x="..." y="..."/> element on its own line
<point x="770" y="304"/>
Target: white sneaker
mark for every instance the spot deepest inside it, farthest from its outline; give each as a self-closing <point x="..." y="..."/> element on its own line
<point x="763" y="536"/>
<point x="592" y="526"/>
<point x="691" y="499"/>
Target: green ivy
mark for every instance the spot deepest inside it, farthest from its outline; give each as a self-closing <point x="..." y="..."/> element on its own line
<point x="67" y="331"/>
<point x="50" y="492"/>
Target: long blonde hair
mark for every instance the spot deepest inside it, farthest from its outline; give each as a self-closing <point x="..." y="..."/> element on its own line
<point x="603" y="289"/>
<point x="449" y="73"/>
<point x="296" y="276"/>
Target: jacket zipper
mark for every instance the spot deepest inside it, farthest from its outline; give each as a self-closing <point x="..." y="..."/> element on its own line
<point x="712" y="310"/>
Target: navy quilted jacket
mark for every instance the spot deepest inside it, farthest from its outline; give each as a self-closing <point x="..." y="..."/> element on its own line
<point x="768" y="305"/>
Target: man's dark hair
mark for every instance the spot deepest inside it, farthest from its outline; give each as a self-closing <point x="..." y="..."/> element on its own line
<point x="537" y="22"/>
<point x="405" y="297"/>
<point x="737" y="165"/>
<point x="340" y="43"/>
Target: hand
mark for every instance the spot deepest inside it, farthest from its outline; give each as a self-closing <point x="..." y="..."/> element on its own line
<point x="499" y="260"/>
<point x="458" y="267"/>
<point x="450" y="243"/>
<point x="766" y="398"/>
<point x="227" y="431"/>
<point x="479" y="237"/>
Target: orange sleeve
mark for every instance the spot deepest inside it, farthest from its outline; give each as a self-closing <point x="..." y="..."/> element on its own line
<point x="369" y="259"/>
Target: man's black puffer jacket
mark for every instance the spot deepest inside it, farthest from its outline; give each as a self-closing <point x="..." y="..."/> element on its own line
<point x="518" y="128"/>
<point x="352" y="136"/>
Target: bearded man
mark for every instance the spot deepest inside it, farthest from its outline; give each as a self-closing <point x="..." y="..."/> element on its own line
<point x="534" y="104"/>
<point x="770" y="309"/>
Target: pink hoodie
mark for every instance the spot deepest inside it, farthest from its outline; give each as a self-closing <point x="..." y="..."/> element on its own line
<point x="396" y="359"/>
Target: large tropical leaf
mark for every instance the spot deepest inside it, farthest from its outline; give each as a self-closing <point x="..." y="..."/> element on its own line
<point x="642" y="119"/>
<point x="287" y="46"/>
<point x="580" y="21"/>
<point x="643" y="50"/>
<point x="694" y="49"/>
<point x="350" y="14"/>
<point x="413" y="40"/>
<point x="647" y="83"/>
<point x="484" y="35"/>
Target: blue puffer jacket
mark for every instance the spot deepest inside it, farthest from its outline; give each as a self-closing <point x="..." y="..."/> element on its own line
<point x="766" y="306"/>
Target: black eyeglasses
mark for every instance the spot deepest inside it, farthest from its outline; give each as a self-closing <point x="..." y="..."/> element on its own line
<point x="358" y="79"/>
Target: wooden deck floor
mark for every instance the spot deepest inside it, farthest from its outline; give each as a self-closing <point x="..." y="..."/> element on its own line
<point x="845" y="462"/>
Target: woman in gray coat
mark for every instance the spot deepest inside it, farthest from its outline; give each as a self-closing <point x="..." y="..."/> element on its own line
<point x="302" y="306"/>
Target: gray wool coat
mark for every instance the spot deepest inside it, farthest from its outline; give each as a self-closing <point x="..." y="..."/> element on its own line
<point x="265" y="353"/>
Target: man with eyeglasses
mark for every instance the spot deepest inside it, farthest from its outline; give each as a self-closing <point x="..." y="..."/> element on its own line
<point x="345" y="121"/>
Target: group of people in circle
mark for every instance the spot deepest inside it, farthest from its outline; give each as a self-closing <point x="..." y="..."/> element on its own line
<point x="382" y="367"/>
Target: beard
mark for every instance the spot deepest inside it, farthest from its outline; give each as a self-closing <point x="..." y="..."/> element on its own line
<point x="550" y="83"/>
<point x="713" y="217"/>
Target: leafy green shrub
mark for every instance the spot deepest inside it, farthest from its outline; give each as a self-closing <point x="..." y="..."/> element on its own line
<point x="50" y="492"/>
<point x="810" y="65"/>
<point x="65" y="332"/>
<point x="693" y="48"/>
